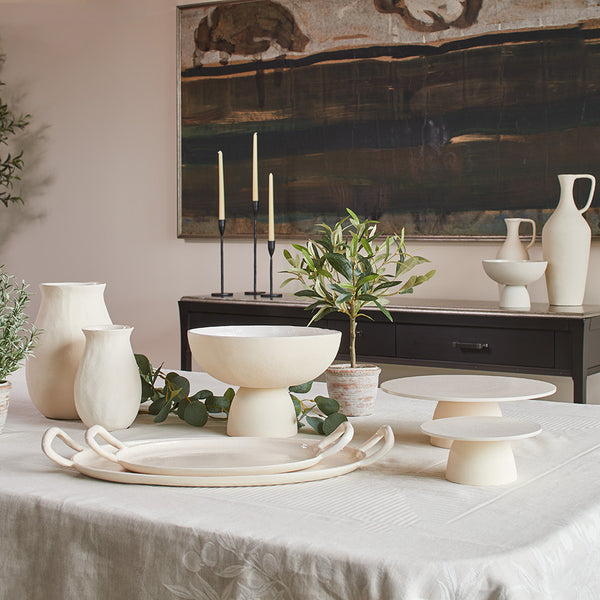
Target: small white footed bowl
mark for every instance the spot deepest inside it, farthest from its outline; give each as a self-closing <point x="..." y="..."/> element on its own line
<point x="514" y="272"/>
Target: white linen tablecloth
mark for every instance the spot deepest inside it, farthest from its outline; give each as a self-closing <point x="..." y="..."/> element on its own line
<point x="395" y="530"/>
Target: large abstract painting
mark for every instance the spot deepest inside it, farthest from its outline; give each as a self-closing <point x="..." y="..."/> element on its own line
<point x="439" y="116"/>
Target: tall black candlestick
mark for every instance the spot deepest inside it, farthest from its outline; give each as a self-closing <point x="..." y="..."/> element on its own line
<point x="222" y="294"/>
<point x="271" y="248"/>
<point x="255" y="210"/>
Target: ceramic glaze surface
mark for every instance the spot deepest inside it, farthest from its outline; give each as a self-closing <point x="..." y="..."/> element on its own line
<point x="566" y="241"/>
<point x="107" y="388"/>
<point x="264" y="361"/>
<point x="514" y="275"/>
<point x="512" y="247"/>
<point x="64" y="310"/>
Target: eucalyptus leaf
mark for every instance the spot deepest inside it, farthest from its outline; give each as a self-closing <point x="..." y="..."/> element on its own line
<point x="327" y="405"/>
<point x="196" y="414"/>
<point x="316" y="423"/>
<point x="302" y="388"/>
<point x="217" y="404"/>
<point x="163" y="413"/>
<point x="332" y="422"/>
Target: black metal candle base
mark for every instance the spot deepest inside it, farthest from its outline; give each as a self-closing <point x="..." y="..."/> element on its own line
<point x="271" y="248"/>
<point x="254" y="292"/>
<point x="222" y="294"/>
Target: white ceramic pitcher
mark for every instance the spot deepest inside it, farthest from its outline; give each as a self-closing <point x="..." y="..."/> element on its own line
<point x="107" y="386"/>
<point x="566" y="241"/>
<point x="512" y="248"/>
<point x="65" y="308"/>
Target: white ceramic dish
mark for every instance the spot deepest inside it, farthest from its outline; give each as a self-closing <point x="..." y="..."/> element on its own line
<point x="347" y="460"/>
<point x="207" y="457"/>
<point x="515" y="275"/>
<point x="481" y="451"/>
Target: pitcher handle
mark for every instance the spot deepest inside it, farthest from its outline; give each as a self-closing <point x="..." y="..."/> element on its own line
<point x="592" y="188"/>
<point x="533" y="233"/>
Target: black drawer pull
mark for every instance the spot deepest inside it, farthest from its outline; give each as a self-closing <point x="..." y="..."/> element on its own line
<point x="471" y="345"/>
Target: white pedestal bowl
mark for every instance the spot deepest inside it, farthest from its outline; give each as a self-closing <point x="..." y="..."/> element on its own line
<point x="263" y="360"/>
<point x="515" y="275"/>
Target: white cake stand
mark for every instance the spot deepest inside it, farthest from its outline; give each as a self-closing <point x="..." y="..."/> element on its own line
<point x="481" y="451"/>
<point x="467" y="395"/>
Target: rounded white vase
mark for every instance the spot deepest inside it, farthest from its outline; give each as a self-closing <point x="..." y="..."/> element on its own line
<point x="107" y="385"/>
<point x="64" y="310"/>
<point x="566" y="240"/>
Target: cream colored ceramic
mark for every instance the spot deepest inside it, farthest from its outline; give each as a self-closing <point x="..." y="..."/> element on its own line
<point x="514" y="275"/>
<point x="64" y="310"/>
<point x="264" y="360"/>
<point x="107" y="387"/>
<point x="345" y="461"/>
<point x="566" y="241"/>
<point x="512" y="247"/>
<point x="459" y="395"/>
<point x="4" y="393"/>
<point x="481" y="451"/>
<point x="204" y="457"/>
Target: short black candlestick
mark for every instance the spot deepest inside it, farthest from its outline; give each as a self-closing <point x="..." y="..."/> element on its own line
<point x="271" y="248"/>
<point x="255" y="210"/>
<point x="222" y="294"/>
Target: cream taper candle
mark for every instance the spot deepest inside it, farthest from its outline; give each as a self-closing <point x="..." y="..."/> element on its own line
<point x="221" y="187"/>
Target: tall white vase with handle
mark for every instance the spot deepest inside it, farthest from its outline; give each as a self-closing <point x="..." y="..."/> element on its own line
<point x="566" y="240"/>
<point x="64" y="310"/>
<point x="107" y="385"/>
<point x="512" y="248"/>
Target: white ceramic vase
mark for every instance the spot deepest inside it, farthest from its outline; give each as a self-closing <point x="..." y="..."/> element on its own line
<point x="64" y="310"/>
<point x="512" y="248"/>
<point x="355" y="388"/>
<point x="4" y="391"/>
<point x="107" y="385"/>
<point x="566" y="240"/>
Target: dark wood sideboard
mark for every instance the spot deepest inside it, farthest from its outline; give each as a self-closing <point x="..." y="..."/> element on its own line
<point x="452" y="334"/>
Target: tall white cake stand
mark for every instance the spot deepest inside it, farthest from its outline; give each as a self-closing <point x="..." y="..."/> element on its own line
<point x="481" y="451"/>
<point x="460" y="395"/>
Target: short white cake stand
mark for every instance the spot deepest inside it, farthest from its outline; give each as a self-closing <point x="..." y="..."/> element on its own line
<point x="481" y="451"/>
<point x="467" y="395"/>
<point x="263" y="360"/>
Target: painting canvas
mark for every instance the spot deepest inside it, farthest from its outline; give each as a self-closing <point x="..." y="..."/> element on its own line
<point x="441" y="118"/>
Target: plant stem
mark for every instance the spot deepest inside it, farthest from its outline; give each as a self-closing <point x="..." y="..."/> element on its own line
<point x="353" y="341"/>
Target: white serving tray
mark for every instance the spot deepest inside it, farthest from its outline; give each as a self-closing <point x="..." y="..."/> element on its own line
<point x="345" y="461"/>
<point x="209" y="457"/>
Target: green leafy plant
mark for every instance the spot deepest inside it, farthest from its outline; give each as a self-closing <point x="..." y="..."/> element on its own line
<point x="170" y="393"/>
<point x="17" y="337"/>
<point x="351" y="267"/>
<point x="11" y="164"/>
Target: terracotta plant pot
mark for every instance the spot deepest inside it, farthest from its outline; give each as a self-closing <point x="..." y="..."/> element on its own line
<point x="4" y="390"/>
<point x="355" y="388"/>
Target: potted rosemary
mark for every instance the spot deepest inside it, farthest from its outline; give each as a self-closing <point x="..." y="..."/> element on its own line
<point x="17" y="337"/>
<point x="349" y="268"/>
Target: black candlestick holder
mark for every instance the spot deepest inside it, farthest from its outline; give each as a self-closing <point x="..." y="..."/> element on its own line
<point x="222" y="294"/>
<point x="271" y="248"/>
<point x="255" y="210"/>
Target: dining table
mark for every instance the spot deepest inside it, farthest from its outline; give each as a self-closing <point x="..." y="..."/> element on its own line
<point x="394" y="529"/>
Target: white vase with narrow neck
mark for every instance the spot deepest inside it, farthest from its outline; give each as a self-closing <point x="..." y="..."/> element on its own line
<point x="512" y="247"/>
<point x="107" y="385"/>
<point x="64" y="310"/>
<point x="566" y="240"/>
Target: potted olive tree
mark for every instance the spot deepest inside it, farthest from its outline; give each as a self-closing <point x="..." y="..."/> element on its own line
<point x="17" y="337"/>
<point x="349" y="268"/>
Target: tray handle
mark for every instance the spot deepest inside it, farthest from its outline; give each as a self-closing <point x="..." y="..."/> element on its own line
<point x="336" y="440"/>
<point x="384" y="433"/>
<point x="98" y="430"/>
<point x="48" y="438"/>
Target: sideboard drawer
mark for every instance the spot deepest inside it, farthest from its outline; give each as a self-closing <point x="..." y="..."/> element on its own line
<point x="476" y="345"/>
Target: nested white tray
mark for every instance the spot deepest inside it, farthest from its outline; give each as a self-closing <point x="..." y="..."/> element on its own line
<point x="209" y="456"/>
<point x="87" y="462"/>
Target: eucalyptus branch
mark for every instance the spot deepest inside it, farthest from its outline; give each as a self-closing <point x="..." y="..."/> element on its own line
<point x="173" y="396"/>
